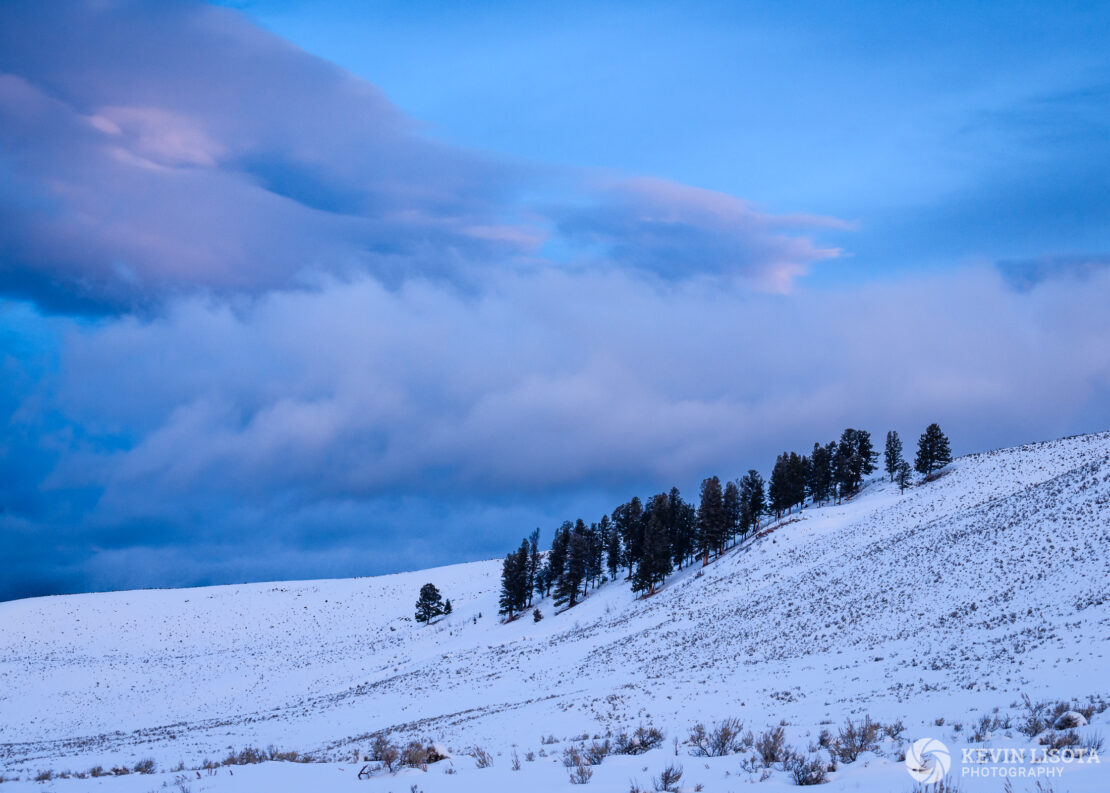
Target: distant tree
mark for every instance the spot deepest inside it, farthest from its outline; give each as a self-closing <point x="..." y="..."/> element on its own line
<point x="628" y="519"/>
<point x="892" y="454"/>
<point x="536" y="615"/>
<point x="447" y="606"/>
<point x="429" y="604"/>
<point x="854" y="459"/>
<point x="514" y="582"/>
<point x="557" y="558"/>
<point x="730" y="503"/>
<point x="654" y="564"/>
<point x="933" y="451"/>
<point x="904" y="477"/>
<point x="820" y="473"/>
<point x="612" y="547"/>
<point x="752" y="500"/>
<point x="574" y="571"/>
<point x="683" y="527"/>
<point x="711" y="518"/>
<point x="533" y="562"/>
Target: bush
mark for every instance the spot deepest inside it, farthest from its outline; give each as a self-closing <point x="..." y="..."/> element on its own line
<point x="385" y="752"/>
<point x="537" y="615"/>
<point x="482" y="758"/>
<point x="415" y="755"/>
<point x="805" y="771"/>
<point x="581" y="774"/>
<point x="643" y="739"/>
<point x="770" y="746"/>
<point x="722" y="740"/>
<point x="144" y="766"/>
<point x="855" y="739"/>
<point x="668" y="780"/>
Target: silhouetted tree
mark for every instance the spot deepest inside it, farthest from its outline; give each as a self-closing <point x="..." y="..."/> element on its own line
<point x="429" y="604"/>
<point x="711" y="518"/>
<point x="933" y="451"/>
<point x="892" y="454"/>
<point x="904" y="478"/>
<point x="654" y="564"/>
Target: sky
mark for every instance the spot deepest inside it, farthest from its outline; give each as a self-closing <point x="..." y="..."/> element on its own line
<point x="298" y="290"/>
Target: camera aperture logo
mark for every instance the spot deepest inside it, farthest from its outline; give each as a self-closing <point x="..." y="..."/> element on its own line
<point x="928" y="760"/>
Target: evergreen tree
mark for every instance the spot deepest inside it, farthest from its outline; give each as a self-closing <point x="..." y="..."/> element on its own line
<point x="711" y="518"/>
<point x="429" y="604"/>
<point x="557" y="557"/>
<point x="730" y="503"/>
<point x="778" y="487"/>
<point x="683" y="529"/>
<point x="752" y="498"/>
<point x="612" y="548"/>
<point x="654" y="564"/>
<point x="628" y="519"/>
<point x="514" y="582"/>
<point x="854" y="459"/>
<point x="903" y="477"/>
<point x="797" y="472"/>
<point x="933" y="451"/>
<point x="447" y="606"/>
<point x="574" y="571"/>
<point x="820" y="473"/>
<point x="892" y="454"/>
<point x="533" y="563"/>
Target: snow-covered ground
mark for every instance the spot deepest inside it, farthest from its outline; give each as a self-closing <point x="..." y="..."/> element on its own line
<point x="945" y="602"/>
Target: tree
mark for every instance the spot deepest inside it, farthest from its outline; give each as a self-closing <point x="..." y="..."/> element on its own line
<point x="533" y="562"/>
<point x="628" y="522"/>
<point x="447" y="607"/>
<point x="654" y="564"/>
<point x="557" y="558"/>
<point x="892" y="454"/>
<point x="903" y="477"/>
<point x="730" y="503"/>
<point x="683" y="527"/>
<point x="429" y="605"/>
<point x="752" y="500"/>
<point x="574" y="571"/>
<point x="612" y="547"/>
<point x="854" y="459"/>
<point x="820" y="473"/>
<point x="933" y="452"/>
<point x="711" y="518"/>
<point x="514" y="582"/>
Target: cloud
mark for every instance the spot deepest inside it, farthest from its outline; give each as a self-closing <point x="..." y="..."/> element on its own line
<point x="675" y="230"/>
<point x="153" y="150"/>
<point x="355" y="416"/>
<point x="1026" y="274"/>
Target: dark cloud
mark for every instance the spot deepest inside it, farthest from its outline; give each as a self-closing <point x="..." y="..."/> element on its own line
<point x="1025" y="274"/>
<point x="354" y="429"/>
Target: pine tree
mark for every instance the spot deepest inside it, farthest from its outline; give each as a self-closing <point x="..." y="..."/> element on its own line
<point x="933" y="451"/>
<point x="654" y="564"/>
<point x="557" y="558"/>
<point x="730" y="503"/>
<point x="820" y="473"/>
<point x="574" y="571"/>
<point x="892" y="454"/>
<point x="514" y="582"/>
<point x="533" y="562"/>
<point x="447" y="607"/>
<point x="429" y="605"/>
<point x="683" y="529"/>
<point x="903" y="477"/>
<point x="711" y="518"/>
<point x="752" y="499"/>
<point x="628" y="520"/>
<point x="612" y="548"/>
<point x="777" y="486"/>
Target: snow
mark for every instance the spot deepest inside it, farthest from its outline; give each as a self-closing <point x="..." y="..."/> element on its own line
<point x="945" y="602"/>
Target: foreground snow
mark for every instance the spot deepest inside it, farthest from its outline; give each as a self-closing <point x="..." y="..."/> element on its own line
<point x="945" y="602"/>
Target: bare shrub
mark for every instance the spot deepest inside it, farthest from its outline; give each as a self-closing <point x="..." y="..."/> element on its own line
<point x="581" y="774"/>
<point x="643" y="739"/>
<point x="771" y="746"/>
<point x="516" y="761"/>
<point x="1059" y="740"/>
<point x="1037" y="716"/>
<point x="482" y="758"/>
<point x="722" y="740"/>
<point x="144" y="766"/>
<point x="385" y="752"/>
<point x="668" y="779"/>
<point x="415" y="755"/>
<point x="855" y="739"/>
<point x="806" y="771"/>
<point x="1092" y="742"/>
<point x="597" y="751"/>
<point x="246" y="756"/>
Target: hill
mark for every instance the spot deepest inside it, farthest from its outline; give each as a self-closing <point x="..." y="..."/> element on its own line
<point x="933" y="607"/>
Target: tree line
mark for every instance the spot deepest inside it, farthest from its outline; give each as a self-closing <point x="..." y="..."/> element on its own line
<point x="645" y="541"/>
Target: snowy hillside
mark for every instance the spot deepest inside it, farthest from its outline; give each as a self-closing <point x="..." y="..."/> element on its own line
<point x="945" y="602"/>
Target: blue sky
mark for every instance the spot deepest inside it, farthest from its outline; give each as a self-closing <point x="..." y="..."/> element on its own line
<point x="309" y="289"/>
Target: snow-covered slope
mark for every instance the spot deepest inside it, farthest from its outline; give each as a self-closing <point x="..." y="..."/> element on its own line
<point x="946" y="601"/>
